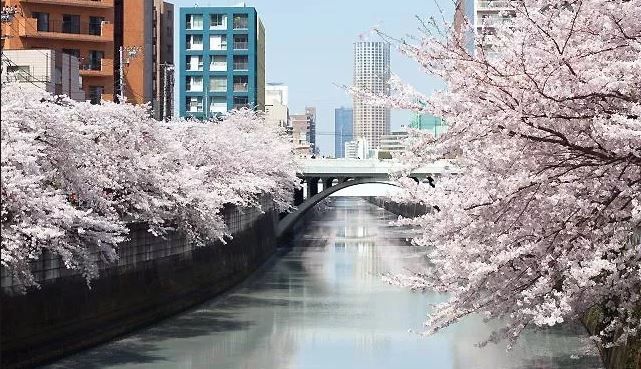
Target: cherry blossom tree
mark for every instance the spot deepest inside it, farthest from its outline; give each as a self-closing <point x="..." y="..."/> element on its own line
<point x="544" y="119"/>
<point x="75" y="174"/>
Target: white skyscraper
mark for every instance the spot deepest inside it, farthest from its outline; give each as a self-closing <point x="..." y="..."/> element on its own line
<point x="371" y="73"/>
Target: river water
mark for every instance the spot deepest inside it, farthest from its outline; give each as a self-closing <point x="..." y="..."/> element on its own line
<point x="322" y="304"/>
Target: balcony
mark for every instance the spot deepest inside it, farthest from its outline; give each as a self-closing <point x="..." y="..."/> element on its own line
<point x="494" y="5"/>
<point x="241" y="66"/>
<point x="494" y="22"/>
<point x="240" y="87"/>
<point x="98" y="4"/>
<point x="96" y="68"/>
<point x="58" y="30"/>
<point x="241" y="45"/>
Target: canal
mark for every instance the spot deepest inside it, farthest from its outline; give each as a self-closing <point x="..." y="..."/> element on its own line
<point x="322" y="304"/>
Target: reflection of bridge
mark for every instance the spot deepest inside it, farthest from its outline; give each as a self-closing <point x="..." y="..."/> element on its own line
<point x="331" y="175"/>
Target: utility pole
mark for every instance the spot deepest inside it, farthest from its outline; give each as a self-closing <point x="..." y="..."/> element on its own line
<point x="126" y="54"/>
<point x="168" y="70"/>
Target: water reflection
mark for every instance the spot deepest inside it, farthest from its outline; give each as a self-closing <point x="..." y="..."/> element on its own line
<point x="322" y="305"/>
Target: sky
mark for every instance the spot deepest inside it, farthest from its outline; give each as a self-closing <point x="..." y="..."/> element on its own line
<point x="309" y="47"/>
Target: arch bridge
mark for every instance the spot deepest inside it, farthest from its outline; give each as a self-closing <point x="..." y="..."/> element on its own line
<point x="323" y="177"/>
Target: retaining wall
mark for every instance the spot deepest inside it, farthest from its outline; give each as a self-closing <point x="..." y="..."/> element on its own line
<point x="154" y="278"/>
<point x="407" y="210"/>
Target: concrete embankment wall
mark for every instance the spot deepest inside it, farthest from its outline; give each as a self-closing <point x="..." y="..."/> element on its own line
<point x="407" y="210"/>
<point x="154" y="278"/>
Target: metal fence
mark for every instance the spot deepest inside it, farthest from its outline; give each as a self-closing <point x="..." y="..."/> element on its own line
<point x="141" y="246"/>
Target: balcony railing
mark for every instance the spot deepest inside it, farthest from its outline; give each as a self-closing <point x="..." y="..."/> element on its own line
<point x="95" y="65"/>
<point x="105" y="4"/>
<point x="494" y="4"/>
<point x="241" y="45"/>
<point x="56" y="29"/>
<point x="79" y="28"/>
<point x="241" y="66"/>
<point x="240" y="87"/>
<point x="495" y="21"/>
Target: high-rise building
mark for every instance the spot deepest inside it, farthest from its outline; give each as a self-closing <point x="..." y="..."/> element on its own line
<point x="343" y="130"/>
<point x="84" y="29"/>
<point x="222" y="66"/>
<point x="371" y="73"/>
<point x="310" y="111"/>
<point x="276" y="99"/>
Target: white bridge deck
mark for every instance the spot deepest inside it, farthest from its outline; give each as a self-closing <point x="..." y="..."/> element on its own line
<point x="372" y="168"/>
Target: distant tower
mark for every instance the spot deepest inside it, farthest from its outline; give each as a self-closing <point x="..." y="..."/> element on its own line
<point x="310" y="111"/>
<point x="371" y="73"/>
<point x="343" y="130"/>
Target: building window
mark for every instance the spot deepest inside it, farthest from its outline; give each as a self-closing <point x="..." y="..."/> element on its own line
<point x="195" y="62"/>
<point x="194" y="21"/>
<point x="241" y="62"/>
<point x="95" y="94"/>
<point x="94" y="60"/>
<point x="218" y="21"/>
<point x="194" y="104"/>
<point x="217" y="42"/>
<point x="194" y="42"/>
<point x="218" y="104"/>
<point x="42" y="21"/>
<point x="241" y="42"/>
<point x="218" y="63"/>
<point x="240" y="21"/>
<point x="241" y="102"/>
<point x="74" y="52"/>
<point x="70" y="23"/>
<point x="218" y="84"/>
<point x="19" y="72"/>
<point x="241" y="83"/>
<point x="194" y="83"/>
<point x="95" y="25"/>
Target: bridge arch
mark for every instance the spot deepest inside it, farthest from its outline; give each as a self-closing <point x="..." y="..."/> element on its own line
<point x="288" y="221"/>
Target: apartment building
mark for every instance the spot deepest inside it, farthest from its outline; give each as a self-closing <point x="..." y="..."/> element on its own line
<point x="84" y="29"/>
<point x="49" y="70"/>
<point x="95" y="31"/>
<point x="222" y="51"/>
<point x="301" y="134"/>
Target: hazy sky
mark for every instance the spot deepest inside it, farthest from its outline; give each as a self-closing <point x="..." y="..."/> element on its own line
<point x="309" y="47"/>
